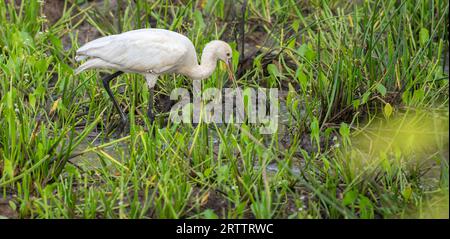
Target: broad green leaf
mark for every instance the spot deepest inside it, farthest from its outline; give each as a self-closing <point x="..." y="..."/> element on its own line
<point x="200" y="23"/>
<point x="307" y="51"/>
<point x="407" y="192"/>
<point x="210" y="214"/>
<point x="273" y="70"/>
<point x="295" y="25"/>
<point x="56" y="42"/>
<point x="356" y="104"/>
<point x="310" y="54"/>
<point x="365" y="207"/>
<point x="344" y="130"/>
<point x="32" y="100"/>
<point x="8" y="168"/>
<point x="424" y="36"/>
<point x="302" y="78"/>
<point x="12" y="205"/>
<point x="381" y="89"/>
<point x="365" y="97"/>
<point x="315" y="130"/>
<point x="350" y="197"/>
<point x="291" y="43"/>
<point x="388" y="110"/>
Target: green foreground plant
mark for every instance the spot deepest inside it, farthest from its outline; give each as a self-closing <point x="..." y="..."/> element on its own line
<point x="364" y="131"/>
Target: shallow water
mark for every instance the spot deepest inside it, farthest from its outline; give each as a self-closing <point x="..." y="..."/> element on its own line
<point x="446" y="63"/>
<point x="91" y="160"/>
<point x="273" y="167"/>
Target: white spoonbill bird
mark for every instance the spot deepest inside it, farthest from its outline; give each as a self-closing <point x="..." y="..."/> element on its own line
<point x="151" y="52"/>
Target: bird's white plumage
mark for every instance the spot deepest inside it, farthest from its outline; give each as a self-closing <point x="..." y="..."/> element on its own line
<point x="151" y="80"/>
<point x="154" y="51"/>
<point x="151" y="52"/>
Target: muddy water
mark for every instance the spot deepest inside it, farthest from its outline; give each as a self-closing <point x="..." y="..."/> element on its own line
<point x="5" y="210"/>
<point x="92" y="159"/>
<point x="446" y="63"/>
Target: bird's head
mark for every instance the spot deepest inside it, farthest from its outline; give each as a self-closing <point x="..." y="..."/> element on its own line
<point x="224" y="53"/>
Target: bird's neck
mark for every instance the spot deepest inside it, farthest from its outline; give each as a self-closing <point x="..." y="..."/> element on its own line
<point x="207" y="66"/>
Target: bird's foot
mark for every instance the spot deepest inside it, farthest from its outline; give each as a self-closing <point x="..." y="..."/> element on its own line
<point x="150" y="117"/>
<point x="123" y="127"/>
<point x="119" y="128"/>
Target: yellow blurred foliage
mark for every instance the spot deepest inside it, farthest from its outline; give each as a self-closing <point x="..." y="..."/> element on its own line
<point x="410" y="134"/>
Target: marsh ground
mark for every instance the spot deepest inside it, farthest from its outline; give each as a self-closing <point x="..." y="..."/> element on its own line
<point x="363" y="129"/>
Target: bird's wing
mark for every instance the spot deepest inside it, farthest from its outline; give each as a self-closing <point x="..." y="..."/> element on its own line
<point x="138" y="51"/>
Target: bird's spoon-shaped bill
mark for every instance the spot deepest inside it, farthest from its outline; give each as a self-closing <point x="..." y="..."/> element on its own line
<point x="231" y="78"/>
<point x="230" y="73"/>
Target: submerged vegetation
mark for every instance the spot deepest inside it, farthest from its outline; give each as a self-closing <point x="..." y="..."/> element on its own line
<point x="363" y="121"/>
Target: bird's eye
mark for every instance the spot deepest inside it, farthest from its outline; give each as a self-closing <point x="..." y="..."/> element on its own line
<point x="228" y="54"/>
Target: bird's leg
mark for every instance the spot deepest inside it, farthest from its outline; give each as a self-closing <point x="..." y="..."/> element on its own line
<point x="106" y="81"/>
<point x="150" y="114"/>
